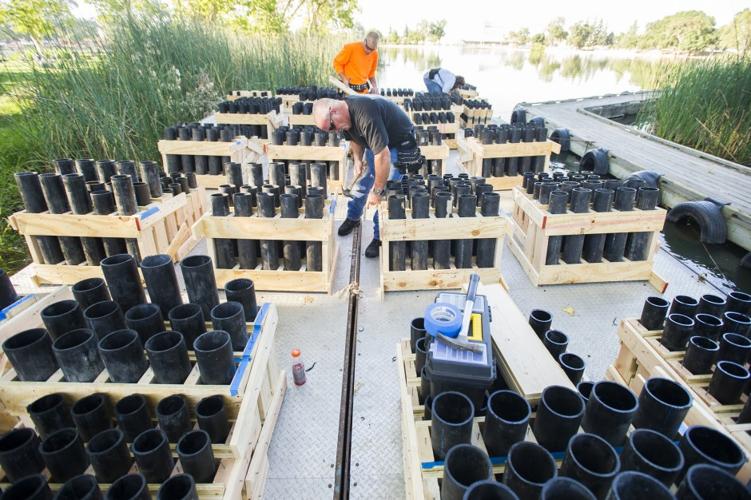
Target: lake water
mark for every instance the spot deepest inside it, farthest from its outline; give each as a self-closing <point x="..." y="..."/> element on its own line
<point x="506" y="76"/>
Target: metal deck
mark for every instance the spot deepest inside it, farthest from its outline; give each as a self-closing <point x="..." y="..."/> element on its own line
<point x="688" y="174"/>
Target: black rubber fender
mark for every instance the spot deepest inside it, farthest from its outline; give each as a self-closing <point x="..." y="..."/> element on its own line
<point x="596" y="160"/>
<point x="519" y="115"/>
<point x="563" y="137"/>
<point x="538" y="121"/>
<point x="707" y="214"/>
<point x="649" y="177"/>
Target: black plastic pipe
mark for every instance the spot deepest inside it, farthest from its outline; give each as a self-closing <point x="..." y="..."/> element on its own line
<point x="57" y="203"/>
<point x="33" y="202"/>
<point x="213" y="351"/>
<point x="734" y="347"/>
<point x="104" y="204"/>
<point x="133" y="416"/>
<point x="557" y="205"/>
<point x="528" y="467"/>
<point x="592" y="461"/>
<point x="706" y="325"/>
<point x="737" y="323"/>
<point x="32" y="487"/>
<point x="269" y="248"/>
<point x="505" y="422"/>
<point x="555" y="342"/>
<point x="560" y="488"/>
<point x="146" y="319"/>
<point x="77" y="354"/>
<point x="615" y="243"/>
<point x="677" y="330"/>
<point x="90" y="291"/>
<point x="654" y="454"/>
<point x="573" y="365"/>
<point x="654" y="312"/>
<point x="700" y="444"/>
<point x="610" y="410"/>
<point x="224" y="248"/>
<point x="247" y="249"/>
<point x="489" y="207"/>
<point x="61" y="317"/>
<point x="420" y="210"/>
<point x="465" y="465"/>
<point x="700" y="355"/>
<point x="180" y="486"/>
<point x="168" y="357"/>
<point x="83" y="487"/>
<point x="242" y="291"/>
<point x="683" y="304"/>
<point x="49" y="413"/>
<point x="728" y="381"/>
<point x="104" y="318"/>
<point x="161" y="282"/>
<point x="711" y="304"/>
<point x="196" y="456"/>
<point x="188" y="319"/>
<point x="92" y="415"/>
<point x="123" y="357"/>
<point x="663" y="404"/>
<point x="451" y="417"/>
<point x="124" y="282"/>
<point x="540" y="321"/>
<point x="200" y="283"/>
<point x="80" y="203"/>
<point x="637" y="244"/>
<point x="738" y="302"/>
<point x="19" y="453"/>
<point x="632" y="485"/>
<point x="706" y="481"/>
<point x="129" y="487"/>
<point x="397" y="249"/>
<point x="174" y="417"/>
<point x="290" y="248"/>
<point x="64" y="455"/>
<point x="152" y="453"/>
<point x="230" y="317"/>
<point x="211" y="415"/>
<point x="559" y="414"/>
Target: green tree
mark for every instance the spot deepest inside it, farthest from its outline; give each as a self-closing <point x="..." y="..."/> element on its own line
<point x="737" y="33"/>
<point x="35" y="19"/>
<point x="628" y="39"/>
<point x="688" y="31"/>
<point x="585" y="34"/>
<point x="519" y="37"/>
<point x="437" y="30"/>
<point x="556" y="31"/>
<point x="538" y="39"/>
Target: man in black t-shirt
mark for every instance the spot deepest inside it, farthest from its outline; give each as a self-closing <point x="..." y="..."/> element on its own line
<point x="378" y="128"/>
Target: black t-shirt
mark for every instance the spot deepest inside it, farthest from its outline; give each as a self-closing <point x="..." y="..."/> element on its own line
<point x="377" y="122"/>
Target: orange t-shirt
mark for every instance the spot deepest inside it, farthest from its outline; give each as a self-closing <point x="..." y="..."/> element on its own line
<point x="356" y="65"/>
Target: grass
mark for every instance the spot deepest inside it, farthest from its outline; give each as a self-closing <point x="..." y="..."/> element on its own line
<point x="706" y="105"/>
<point x="113" y="99"/>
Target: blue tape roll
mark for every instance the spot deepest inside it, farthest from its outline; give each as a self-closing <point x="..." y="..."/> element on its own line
<point x="443" y="318"/>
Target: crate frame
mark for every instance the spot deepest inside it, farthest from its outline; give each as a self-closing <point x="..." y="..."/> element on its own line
<point x="433" y="228"/>
<point x="476" y="152"/>
<point x="270" y="120"/>
<point x="641" y="356"/>
<point x="532" y="226"/>
<point x="237" y="150"/>
<point x="276" y="228"/>
<point x="160" y="227"/>
<point x="313" y="154"/>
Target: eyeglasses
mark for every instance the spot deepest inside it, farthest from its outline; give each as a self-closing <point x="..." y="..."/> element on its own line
<point x="331" y="122"/>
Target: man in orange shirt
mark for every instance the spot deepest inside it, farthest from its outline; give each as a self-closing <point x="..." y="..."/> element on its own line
<point x="356" y="64"/>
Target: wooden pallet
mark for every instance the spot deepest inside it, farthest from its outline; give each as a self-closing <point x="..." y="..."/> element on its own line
<point x="641" y="356"/>
<point x="532" y="226"/>
<point x="524" y="364"/>
<point x="238" y="151"/>
<point x="276" y="228"/>
<point x="311" y="154"/>
<point x="450" y="228"/>
<point x="300" y="120"/>
<point x="435" y="152"/>
<point x="162" y="227"/>
<point x="253" y="398"/>
<point x="478" y="152"/>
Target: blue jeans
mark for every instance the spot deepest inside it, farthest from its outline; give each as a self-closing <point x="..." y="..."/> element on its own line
<point x="433" y="87"/>
<point x="357" y="205"/>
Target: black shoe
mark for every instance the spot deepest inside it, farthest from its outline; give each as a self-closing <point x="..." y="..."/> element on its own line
<point x="347" y="226"/>
<point x="372" y="250"/>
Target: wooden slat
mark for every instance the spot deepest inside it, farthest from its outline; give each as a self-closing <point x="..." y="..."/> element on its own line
<point x="309" y="153"/>
<point x="261" y="228"/>
<point x="442" y="228"/>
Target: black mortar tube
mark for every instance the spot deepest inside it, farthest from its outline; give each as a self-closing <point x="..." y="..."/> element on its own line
<point x="700" y="354"/>
<point x="133" y="416"/>
<point x="91" y="415"/>
<point x="269" y="248"/>
<point x="463" y="248"/>
<point x="592" y="461"/>
<point x="200" y="283"/>
<point x="318" y="177"/>
<point x="33" y="202"/>
<point x="728" y="380"/>
<point x="90" y="291"/>
<point x="168" y="357"/>
<point x="528" y="467"/>
<point x="161" y="282"/>
<point x="451" y="417"/>
<point x="573" y="245"/>
<point x="127" y="167"/>
<point x="242" y="291"/>
<point x="105" y="170"/>
<point x="706" y="481"/>
<point x="615" y="243"/>
<point x="213" y="351"/>
<point x="652" y="453"/>
<point x="610" y="411"/>
<point x="187" y="162"/>
<point x="173" y="416"/>
<point x="506" y="422"/>
<point x="683" y="304"/>
<point x="235" y="174"/>
<point x="64" y="166"/>
<point x="173" y="161"/>
<point x="637" y="244"/>
<point x="256" y="174"/>
<point x="80" y="203"/>
<point x="678" y="329"/>
<point x="129" y="487"/>
<point x="559" y="414"/>
<point x="654" y="312"/>
<point x="19" y="453"/>
<point x="76" y="353"/>
<point x="565" y="488"/>
<point x="64" y="455"/>
<point x="224" y="248"/>
<point x="214" y="166"/>
<point x="143" y="193"/>
<point x="104" y="204"/>
<point x="123" y="357"/>
<point x="104" y="318"/>
<point x="489" y="206"/>
<point x="196" y="456"/>
<point x="83" y="487"/>
<point x="49" y="413"/>
<point x="291" y="248"/>
<point x="734" y="347"/>
<point x="211" y="415"/>
<point x="247" y="250"/>
<point x="146" y="319"/>
<point x="420" y="210"/>
<point x="152" y="453"/>
<point x="230" y="317"/>
<point x="297" y="174"/>
<point x="87" y="168"/>
<point x="701" y="444"/>
<point x="397" y="249"/>
<point x="126" y="203"/>
<point x="738" y="301"/>
<point x="540" y="321"/>
<point x="465" y="465"/>
<point x="188" y="319"/>
<point x="61" y="317"/>
<point x="33" y="487"/>
<point x="557" y="205"/>
<point x="442" y="248"/>
<point x="57" y="202"/>
<point x="314" y="249"/>
<point x="124" y="282"/>
<point x="200" y="162"/>
<point x="150" y="174"/>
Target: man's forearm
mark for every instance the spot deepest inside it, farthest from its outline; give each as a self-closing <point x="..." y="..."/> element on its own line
<point x="382" y="167"/>
<point x="356" y="151"/>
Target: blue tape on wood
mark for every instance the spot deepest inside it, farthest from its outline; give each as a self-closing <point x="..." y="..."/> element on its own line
<point x="257" y="326"/>
<point x="9" y="308"/>
<point x="234" y="387"/>
<point x="332" y="207"/>
<point x="148" y="213"/>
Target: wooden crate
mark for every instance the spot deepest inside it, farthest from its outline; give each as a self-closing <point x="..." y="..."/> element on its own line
<point x="250" y="93"/>
<point x="300" y="120"/>
<point x="237" y="150"/>
<point x="532" y="226"/>
<point x="473" y="116"/>
<point x="276" y="228"/>
<point x="478" y="152"/>
<point x="525" y="366"/>
<point x="467" y="94"/>
<point x="253" y="400"/>
<point x="270" y="120"/>
<point x="641" y="356"/>
<point x="163" y="227"/>
<point x="450" y="228"/>
<point x="313" y="154"/>
<point x="444" y="128"/>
